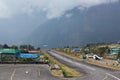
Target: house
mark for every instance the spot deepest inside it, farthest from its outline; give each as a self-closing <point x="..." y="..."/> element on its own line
<point x="115" y="51"/>
<point x="76" y="51"/>
<point x="8" y="54"/>
<point x="34" y="51"/>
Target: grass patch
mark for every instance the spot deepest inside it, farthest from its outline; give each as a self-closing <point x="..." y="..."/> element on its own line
<point x="67" y="72"/>
<point x="110" y="45"/>
<point x="57" y="73"/>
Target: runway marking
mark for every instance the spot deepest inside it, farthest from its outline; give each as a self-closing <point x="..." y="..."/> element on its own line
<point x="39" y="72"/>
<point x="26" y="72"/>
<point x="105" y="77"/>
<point x="113" y="76"/>
<point x="11" y="78"/>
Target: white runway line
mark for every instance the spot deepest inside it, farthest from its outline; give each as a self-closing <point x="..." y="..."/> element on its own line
<point x="26" y="72"/>
<point x="11" y="78"/>
<point x="39" y="72"/>
<point x="113" y="76"/>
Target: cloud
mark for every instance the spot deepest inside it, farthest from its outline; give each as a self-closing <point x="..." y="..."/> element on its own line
<point x="68" y="15"/>
<point x="4" y="11"/>
<point x="52" y="8"/>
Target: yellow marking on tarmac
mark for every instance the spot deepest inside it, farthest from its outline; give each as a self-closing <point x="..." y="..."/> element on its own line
<point x="11" y="78"/>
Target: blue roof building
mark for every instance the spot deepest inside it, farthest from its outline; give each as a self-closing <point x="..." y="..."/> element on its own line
<point x="76" y="49"/>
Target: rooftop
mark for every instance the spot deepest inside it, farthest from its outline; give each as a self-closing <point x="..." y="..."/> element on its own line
<point x="8" y="51"/>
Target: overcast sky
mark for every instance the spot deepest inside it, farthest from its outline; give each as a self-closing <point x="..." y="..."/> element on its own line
<point x="18" y="18"/>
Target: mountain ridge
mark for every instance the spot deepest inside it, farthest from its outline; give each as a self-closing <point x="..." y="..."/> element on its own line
<point x="97" y="24"/>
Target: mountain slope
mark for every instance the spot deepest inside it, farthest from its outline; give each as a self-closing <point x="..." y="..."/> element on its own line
<point x="97" y="24"/>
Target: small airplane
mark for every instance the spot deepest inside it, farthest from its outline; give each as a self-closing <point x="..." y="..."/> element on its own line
<point x="96" y="57"/>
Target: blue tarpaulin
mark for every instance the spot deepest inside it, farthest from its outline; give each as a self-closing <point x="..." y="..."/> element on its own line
<point x="28" y="55"/>
<point x="76" y="49"/>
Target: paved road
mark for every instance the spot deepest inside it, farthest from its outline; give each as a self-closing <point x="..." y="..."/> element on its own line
<point x="25" y="72"/>
<point x="90" y="72"/>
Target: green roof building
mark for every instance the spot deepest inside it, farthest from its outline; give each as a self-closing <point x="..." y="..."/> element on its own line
<point x="115" y="51"/>
<point x="9" y="51"/>
<point x="8" y="54"/>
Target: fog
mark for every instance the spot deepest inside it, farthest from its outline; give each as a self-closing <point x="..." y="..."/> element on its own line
<point x="18" y="19"/>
